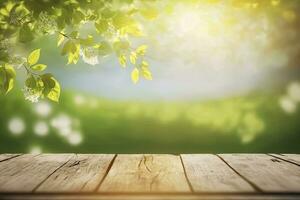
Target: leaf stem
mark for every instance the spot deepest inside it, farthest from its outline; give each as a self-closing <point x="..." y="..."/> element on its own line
<point x="63" y="34"/>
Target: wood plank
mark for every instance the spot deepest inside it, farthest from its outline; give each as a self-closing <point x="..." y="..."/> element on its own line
<point x="4" y="157"/>
<point x="26" y="172"/>
<point x="82" y="173"/>
<point x="146" y="173"/>
<point x="294" y="158"/>
<point x="266" y="172"/>
<point x="208" y="173"/>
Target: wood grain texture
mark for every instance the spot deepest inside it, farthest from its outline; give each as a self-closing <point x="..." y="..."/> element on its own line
<point x="4" y="157"/>
<point x="82" y="173"/>
<point x="146" y="173"/>
<point x="208" y="173"/>
<point x="26" y="172"/>
<point x="294" y="158"/>
<point x="149" y="197"/>
<point x="266" y="172"/>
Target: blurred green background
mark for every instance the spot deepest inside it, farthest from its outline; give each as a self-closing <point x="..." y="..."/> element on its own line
<point x="87" y="124"/>
<point x="225" y="80"/>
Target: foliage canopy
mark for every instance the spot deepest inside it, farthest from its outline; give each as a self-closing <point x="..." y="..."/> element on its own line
<point x="116" y="23"/>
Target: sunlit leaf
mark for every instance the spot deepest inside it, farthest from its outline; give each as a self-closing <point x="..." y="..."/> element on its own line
<point x="122" y="60"/>
<point x="51" y="87"/>
<point x="135" y="75"/>
<point x="104" y="48"/>
<point x="144" y="64"/>
<point x="133" y="57"/>
<point x="33" y="57"/>
<point x="89" y="41"/>
<point x="134" y="30"/>
<point x="141" y="50"/>
<point x="7" y="78"/>
<point x="60" y="39"/>
<point x="39" y="67"/>
<point x="101" y="26"/>
<point x="146" y="73"/>
<point x="149" y="13"/>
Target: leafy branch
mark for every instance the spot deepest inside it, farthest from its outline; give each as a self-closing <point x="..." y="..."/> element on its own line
<point x="116" y="22"/>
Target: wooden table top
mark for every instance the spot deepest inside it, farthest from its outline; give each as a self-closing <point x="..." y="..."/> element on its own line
<point x="149" y="176"/>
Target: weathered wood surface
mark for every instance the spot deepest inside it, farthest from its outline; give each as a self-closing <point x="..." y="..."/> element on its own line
<point x="81" y="173"/>
<point x="269" y="174"/>
<point x="208" y="173"/>
<point x="146" y="173"/>
<point x="4" y="157"/>
<point x="25" y="173"/>
<point x="293" y="158"/>
<point x="150" y="176"/>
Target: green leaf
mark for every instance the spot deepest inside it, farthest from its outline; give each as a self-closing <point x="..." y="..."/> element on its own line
<point x="30" y="82"/>
<point x="73" y="58"/>
<point x="107" y="13"/>
<point x="2" y="79"/>
<point x="104" y="48"/>
<point x="74" y="34"/>
<point x="135" y="75"/>
<point x="78" y="16"/>
<point x="122" y="20"/>
<point x="133" y="57"/>
<point x="7" y="78"/>
<point x="146" y="73"/>
<point x="89" y="41"/>
<point x="134" y="30"/>
<point x="10" y="77"/>
<point x="67" y="47"/>
<point x="121" y="46"/>
<point x="101" y="26"/>
<point x="54" y="93"/>
<point x="51" y="87"/>
<point x="33" y="57"/>
<point x="144" y="64"/>
<point x="39" y="67"/>
<point x="149" y="13"/>
<point x="25" y="34"/>
<point x="122" y="60"/>
<point x="60" y="39"/>
<point x="141" y="50"/>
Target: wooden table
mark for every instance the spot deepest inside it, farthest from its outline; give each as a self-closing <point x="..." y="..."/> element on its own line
<point x="150" y="176"/>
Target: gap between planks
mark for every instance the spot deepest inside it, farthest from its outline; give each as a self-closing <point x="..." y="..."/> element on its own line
<point x="253" y="185"/>
<point x="9" y="157"/>
<point x="106" y="172"/>
<point x="185" y="174"/>
<point x="34" y="189"/>
<point x="280" y="157"/>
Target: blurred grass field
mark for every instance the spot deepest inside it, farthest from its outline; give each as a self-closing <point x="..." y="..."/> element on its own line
<point x="87" y="124"/>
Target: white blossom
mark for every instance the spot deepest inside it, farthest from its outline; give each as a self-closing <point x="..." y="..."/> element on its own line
<point x="90" y="55"/>
<point x="31" y="95"/>
<point x="46" y="24"/>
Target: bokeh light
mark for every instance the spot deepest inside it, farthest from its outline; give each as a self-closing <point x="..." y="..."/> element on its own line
<point x="41" y="128"/>
<point x="16" y="125"/>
